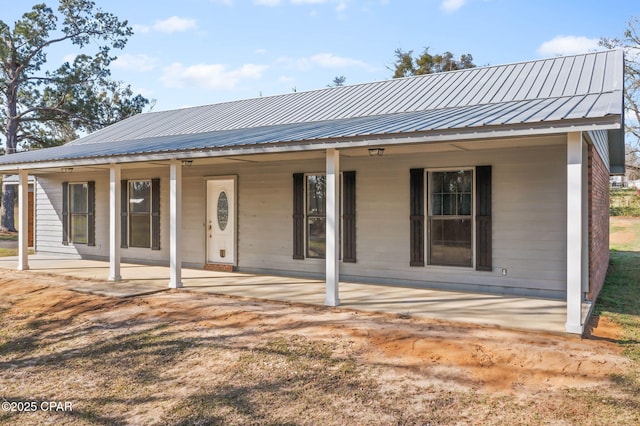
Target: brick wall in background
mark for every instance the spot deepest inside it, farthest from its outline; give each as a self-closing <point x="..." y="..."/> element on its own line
<point x="598" y="223"/>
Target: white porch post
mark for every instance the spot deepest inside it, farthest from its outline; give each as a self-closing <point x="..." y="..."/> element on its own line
<point x="575" y="232"/>
<point x="114" y="222"/>
<point x="175" y="224"/>
<point x="332" y="260"/>
<point x="23" y="225"/>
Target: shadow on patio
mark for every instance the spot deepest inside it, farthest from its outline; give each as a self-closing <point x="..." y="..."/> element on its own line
<point x="138" y="280"/>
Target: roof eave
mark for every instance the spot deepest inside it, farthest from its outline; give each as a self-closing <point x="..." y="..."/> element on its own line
<point x="428" y="136"/>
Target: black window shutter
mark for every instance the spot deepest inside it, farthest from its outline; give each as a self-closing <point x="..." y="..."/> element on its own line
<point x="91" y="216"/>
<point x="155" y="214"/>
<point x="124" y="213"/>
<point x="65" y="213"/>
<point x="416" y="209"/>
<point x="298" y="215"/>
<point x="349" y="217"/>
<point x="483" y="219"/>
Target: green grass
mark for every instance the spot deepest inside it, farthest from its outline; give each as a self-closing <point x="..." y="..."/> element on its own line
<point x="619" y="299"/>
<point x="6" y="252"/>
<point x="8" y="236"/>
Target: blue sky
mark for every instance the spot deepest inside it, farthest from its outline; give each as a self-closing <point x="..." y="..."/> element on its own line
<point x="195" y="52"/>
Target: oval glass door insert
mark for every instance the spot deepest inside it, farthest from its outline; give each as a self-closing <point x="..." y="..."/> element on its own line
<point x="223" y="211"/>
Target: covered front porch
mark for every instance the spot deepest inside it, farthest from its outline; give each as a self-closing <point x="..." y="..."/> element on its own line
<point x="545" y="260"/>
<point x="525" y="313"/>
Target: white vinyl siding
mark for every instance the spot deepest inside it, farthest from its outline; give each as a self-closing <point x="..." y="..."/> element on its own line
<point x="600" y="139"/>
<point x="529" y="207"/>
<point x="529" y="233"/>
<point x="48" y="215"/>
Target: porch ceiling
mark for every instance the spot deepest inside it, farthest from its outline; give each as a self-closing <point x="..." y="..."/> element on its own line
<point x="390" y="151"/>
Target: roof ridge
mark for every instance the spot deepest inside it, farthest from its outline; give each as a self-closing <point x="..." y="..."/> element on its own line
<point x="422" y="76"/>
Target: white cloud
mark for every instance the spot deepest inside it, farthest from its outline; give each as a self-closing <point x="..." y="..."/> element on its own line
<point x="450" y="6"/>
<point x="322" y="60"/>
<point x="312" y="1"/>
<point x="632" y="54"/>
<point x="147" y="93"/>
<point x="70" y="58"/>
<point x="341" y="5"/>
<point x="139" y="62"/>
<point x="141" y="29"/>
<point x="174" y="24"/>
<point x="329" y="60"/>
<point x="301" y="64"/>
<point x="286" y="79"/>
<point x="568" y="45"/>
<point x="209" y="76"/>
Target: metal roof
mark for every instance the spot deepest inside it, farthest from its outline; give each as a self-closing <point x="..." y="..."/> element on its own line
<point x="586" y="88"/>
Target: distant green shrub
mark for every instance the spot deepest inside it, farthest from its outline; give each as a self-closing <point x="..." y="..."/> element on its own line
<point x="624" y="211"/>
<point x="624" y="202"/>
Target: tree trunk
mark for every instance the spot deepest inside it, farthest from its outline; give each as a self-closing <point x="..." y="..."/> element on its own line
<point x="8" y="205"/>
<point x="7" y="222"/>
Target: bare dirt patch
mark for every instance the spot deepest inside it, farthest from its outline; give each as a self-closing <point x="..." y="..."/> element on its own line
<point x="185" y="358"/>
<point x="624" y="233"/>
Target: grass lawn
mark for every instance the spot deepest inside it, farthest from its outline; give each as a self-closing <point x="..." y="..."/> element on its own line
<point x="8" y="236"/>
<point x="619" y="300"/>
<point x="181" y="358"/>
<point x="5" y="252"/>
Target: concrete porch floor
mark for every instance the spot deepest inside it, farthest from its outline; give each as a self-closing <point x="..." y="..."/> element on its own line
<point x="505" y="311"/>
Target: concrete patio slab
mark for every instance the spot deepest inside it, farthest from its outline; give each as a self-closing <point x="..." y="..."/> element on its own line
<point x="139" y="280"/>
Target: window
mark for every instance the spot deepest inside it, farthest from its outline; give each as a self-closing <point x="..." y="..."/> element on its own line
<point x="459" y="205"/>
<point x="140" y="213"/>
<point x="309" y="216"/>
<point x="316" y="216"/>
<point x="450" y="218"/>
<point x="79" y="213"/>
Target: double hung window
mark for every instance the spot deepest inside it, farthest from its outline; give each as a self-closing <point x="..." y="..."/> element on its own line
<point x="450" y="218"/>
<point x="310" y="216"/>
<point x="78" y="213"/>
<point x="316" y="215"/>
<point x="140" y="213"/>
<point x="455" y="206"/>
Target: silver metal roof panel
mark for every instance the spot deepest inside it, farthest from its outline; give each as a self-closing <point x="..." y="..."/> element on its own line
<point x="582" y="87"/>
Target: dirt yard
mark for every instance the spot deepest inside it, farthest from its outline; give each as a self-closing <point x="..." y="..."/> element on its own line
<point x="184" y="358"/>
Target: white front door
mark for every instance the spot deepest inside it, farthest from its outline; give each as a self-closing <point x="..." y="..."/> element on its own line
<point x="221" y="220"/>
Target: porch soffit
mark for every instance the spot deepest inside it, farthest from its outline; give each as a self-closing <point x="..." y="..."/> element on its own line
<point x="319" y="154"/>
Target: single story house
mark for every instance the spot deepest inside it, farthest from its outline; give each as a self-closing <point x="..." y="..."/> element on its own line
<point x="491" y="179"/>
